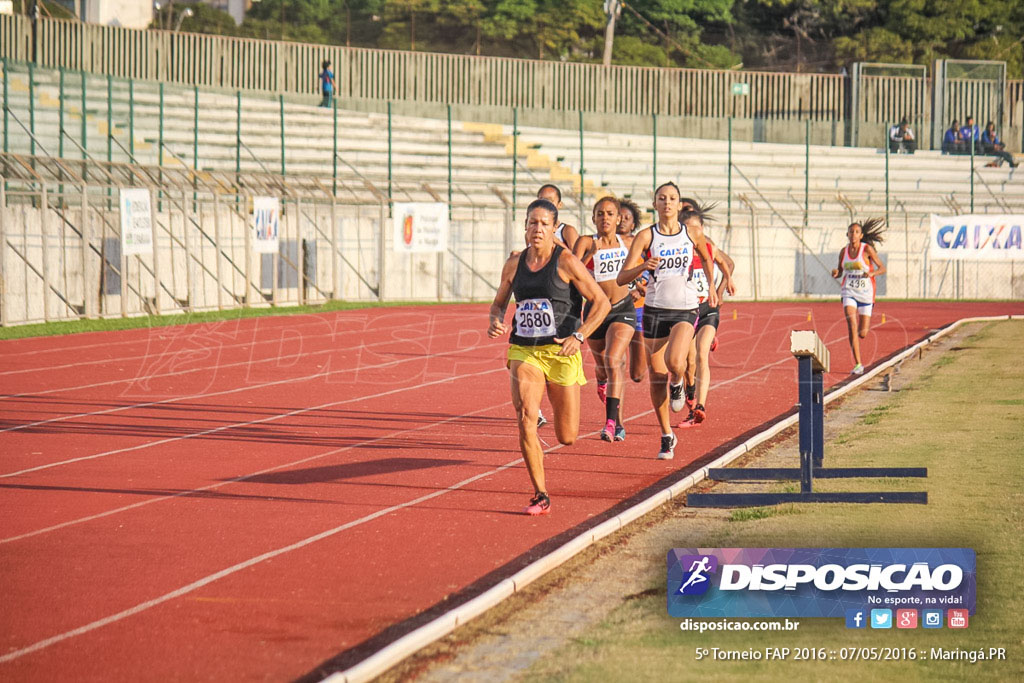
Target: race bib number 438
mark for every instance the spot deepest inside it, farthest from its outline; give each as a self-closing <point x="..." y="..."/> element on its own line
<point x="535" y="318"/>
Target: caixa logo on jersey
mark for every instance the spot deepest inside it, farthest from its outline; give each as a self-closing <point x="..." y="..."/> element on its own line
<point x="816" y="582"/>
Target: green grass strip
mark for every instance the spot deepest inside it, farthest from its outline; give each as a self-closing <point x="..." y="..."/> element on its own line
<point x="962" y="420"/>
<point x="109" y="324"/>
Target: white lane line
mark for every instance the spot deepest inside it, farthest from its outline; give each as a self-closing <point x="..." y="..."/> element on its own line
<point x="244" y="477"/>
<point x="216" y="367"/>
<point x="195" y="585"/>
<point x="213" y="347"/>
<point x="327" y="316"/>
<point x="315" y="457"/>
<point x="224" y="392"/>
<point x="262" y="420"/>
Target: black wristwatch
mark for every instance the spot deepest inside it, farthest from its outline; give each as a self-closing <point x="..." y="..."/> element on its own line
<point x="579" y="337"/>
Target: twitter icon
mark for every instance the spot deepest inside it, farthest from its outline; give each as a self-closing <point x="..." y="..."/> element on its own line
<point x="881" y="618"/>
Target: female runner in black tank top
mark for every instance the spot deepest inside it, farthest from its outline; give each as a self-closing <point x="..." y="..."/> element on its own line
<point x="545" y="350"/>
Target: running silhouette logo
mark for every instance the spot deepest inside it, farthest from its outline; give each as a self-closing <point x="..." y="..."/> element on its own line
<point x="817" y="582"/>
<point x="697" y="579"/>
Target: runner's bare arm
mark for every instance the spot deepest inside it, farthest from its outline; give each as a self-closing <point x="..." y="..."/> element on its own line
<point x="635" y="264"/>
<point x="573" y="270"/>
<point x="727" y="265"/>
<point x="872" y="255"/>
<point x="585" y="248"/>
<point x="839" y="268"/>
<point x="497" y="326"/>
<point x="570" y="235"/>
<point x="696" y="233"/>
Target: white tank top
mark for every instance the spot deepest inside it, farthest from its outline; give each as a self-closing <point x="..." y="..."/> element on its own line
<point x="558" y="234"/>
<point x="607" y="263"/>
<point x="856" y="284"/>
<point x="669" y="286"/>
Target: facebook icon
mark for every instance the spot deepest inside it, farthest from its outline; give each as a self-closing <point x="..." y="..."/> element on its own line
<point x="856" y="618"/>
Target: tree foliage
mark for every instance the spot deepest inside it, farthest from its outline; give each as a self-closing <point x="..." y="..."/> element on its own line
<point x="804" y="35"/>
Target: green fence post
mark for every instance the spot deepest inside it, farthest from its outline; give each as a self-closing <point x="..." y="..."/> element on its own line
<point x="334" y="157"/>
<point x="131" y="119"/>
<point x="807" y="205"/>
<point x="807" y="170"/>
<point x="389" y="158"/>
<point x="195" y="130"/>
<point x="280" y="99"/>
<point x="654" y="164"/>
<point x="160" y="133"/>
<point x="238" y="133"/>
<point x="728" y="192"/>
<point x="60" y="117"/>
<point x="449" y="162"/>
<point x="582" y="186"/>
<point x="160" y="150"/>
<point x="32" y="107"/>
<point x="6" y="148"/>
<point x="970" y="143"/>
<point x="110" y="117"/>
<point x="84" y="116"/>
<point x="515" y="153"/>
<point x="885" y="137"/>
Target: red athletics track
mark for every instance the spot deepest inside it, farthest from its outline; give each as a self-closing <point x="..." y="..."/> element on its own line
<point x="254" y="498"/>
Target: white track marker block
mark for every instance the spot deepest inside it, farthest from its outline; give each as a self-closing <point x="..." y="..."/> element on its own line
<point x="808" y="343"/>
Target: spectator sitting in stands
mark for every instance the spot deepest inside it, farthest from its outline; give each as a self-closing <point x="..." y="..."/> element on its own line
<point x="901" y="138"/>
<point x="991" y="144"/>
<point x="953" y="141"/>
<point x="970" y="135"/>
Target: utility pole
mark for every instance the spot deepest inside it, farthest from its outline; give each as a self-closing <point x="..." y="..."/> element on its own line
<point x="612" y="9"/>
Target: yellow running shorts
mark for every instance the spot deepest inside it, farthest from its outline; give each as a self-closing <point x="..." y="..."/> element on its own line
<point x="564" y="370"/>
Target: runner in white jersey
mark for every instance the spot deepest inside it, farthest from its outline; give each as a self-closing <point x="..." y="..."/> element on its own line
<point x="565" y="234"/>
<point x="603" y="254"/>
<point x="857" y="287"/>
<point x="698" y="365"/>
<point x="666" y="249"/>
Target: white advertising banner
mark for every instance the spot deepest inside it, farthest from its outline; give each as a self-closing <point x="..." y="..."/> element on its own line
<point x="266" y="224"/>
<point x="136" y="221"/>
<point x="976" y="238"/>
<point x="420" y="227"/>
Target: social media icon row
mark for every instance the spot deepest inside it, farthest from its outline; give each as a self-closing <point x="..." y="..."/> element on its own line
<point x="905" y="618"/>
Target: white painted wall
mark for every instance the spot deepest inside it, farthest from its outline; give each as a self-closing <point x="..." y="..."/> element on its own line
<point x="127" y="13"/>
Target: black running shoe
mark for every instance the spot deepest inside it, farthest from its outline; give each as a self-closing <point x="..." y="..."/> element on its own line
<point x="668" y="445"/>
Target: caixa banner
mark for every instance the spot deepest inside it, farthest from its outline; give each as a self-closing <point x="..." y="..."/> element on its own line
<point x="816" y="582"/>
<point x="976" y="238"/>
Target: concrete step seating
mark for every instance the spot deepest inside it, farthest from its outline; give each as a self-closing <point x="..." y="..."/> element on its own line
<point x="771" y="176"/>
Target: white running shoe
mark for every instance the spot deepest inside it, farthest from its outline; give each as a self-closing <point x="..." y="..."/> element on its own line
<point x="858" y="369"/>
<point x="677" y="399"/>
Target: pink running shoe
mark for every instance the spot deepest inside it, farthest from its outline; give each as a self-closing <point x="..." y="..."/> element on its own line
<point x="714" y="343"/>
<point x="608" y="433"/>
<point x="540" y="504"/>
<point x="602" y="391"/>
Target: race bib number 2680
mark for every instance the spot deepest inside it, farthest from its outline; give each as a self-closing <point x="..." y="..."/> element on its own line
<point x="535" y="318"/>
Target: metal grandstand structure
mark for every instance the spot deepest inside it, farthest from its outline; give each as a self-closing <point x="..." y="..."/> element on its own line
<point x="61" y="258"/>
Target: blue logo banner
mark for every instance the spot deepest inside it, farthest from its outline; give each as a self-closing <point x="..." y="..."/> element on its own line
<point x="818" y="582"/>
